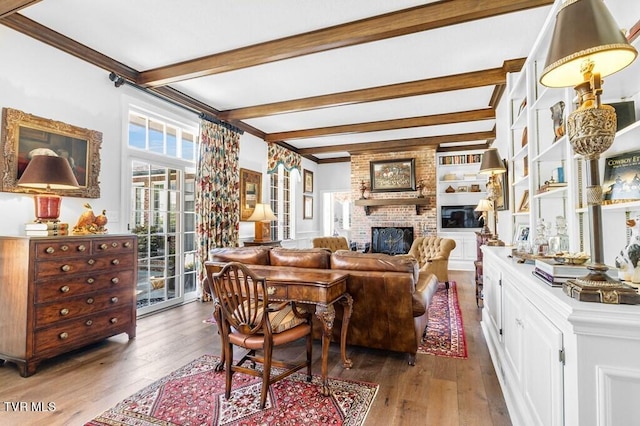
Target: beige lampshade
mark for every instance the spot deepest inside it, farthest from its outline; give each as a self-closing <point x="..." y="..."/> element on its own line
<point x="262" y="213"/>
<point x="585" y="29"/>
<point x="484" y="205"/>
<point x="48" y="172"/>
<point x="491" y="162"/>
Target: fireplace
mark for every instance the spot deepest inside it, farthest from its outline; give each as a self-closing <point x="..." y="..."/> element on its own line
<point x="391" y="239"/>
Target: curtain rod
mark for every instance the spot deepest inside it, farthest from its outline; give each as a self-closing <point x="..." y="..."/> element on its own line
<point x="119" y="81"/>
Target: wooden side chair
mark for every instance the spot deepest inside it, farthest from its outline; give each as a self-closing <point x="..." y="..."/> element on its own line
<point x="243" y="299"/>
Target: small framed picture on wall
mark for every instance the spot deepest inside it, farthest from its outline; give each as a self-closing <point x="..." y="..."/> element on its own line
<point x="307" y="207"/>
<point x="308" y="181"/>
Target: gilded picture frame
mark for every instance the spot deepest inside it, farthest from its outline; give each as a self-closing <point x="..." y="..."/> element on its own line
<point x="308" y="181"/>
<point x="23" y="134"/>
<point x="250" y="192"/>
<point x="393" y="175"/>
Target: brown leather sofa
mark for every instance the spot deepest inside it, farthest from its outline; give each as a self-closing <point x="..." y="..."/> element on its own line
<point x="390" y="296"/>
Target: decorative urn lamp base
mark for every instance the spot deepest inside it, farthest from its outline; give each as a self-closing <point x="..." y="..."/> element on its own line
<point x="599" y="287"/>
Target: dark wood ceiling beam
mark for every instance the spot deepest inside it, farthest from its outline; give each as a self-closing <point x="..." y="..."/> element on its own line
<point x="398" y="144"/>
<point x="403" y="22"/>
<point x="9" y="7"/>
<point x="374" y="126"/>
<point x="46" y="35"/>
<point x="467" y="80"/>
<point x="334" y="160"/>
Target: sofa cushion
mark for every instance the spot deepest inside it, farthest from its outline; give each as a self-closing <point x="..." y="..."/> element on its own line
<point x="380" y="262"/>
<point x="257" y="255"/>
<point x="300" y="258"/>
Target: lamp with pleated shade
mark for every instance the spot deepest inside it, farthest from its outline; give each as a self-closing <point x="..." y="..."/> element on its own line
<point x="262" y="216"/>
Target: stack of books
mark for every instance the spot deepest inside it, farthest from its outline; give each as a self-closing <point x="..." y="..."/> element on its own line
<point x="555" y="274"/>
<point x="550" y="186"/>
<point x="46" y="229"/>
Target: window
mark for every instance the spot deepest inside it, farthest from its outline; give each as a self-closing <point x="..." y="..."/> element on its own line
<point x="161" y="159"/>
<point x="282" y="204"/>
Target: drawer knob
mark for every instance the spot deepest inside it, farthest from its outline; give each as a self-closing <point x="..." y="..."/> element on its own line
<point x="88" y="322"/>
<point x="113" y="320"/>
<point x="64" y="248"/>
<point x="82" y="247"/>
<point x="90" y="300"/>
<point x="91" y="261"/>
<point x="65" y="268"/>
<point x="64" y="312"/>
<point x="127" y="244"/>
<point x="114" y="244"/>
<point x="103" y="246"/>
<point x="115" y="280"/>
<point x="115" y="261"/>
<point x="64" y="289"/>
<point x="63" y="335"/>
<point x="91" y="280"/>
<point x="50" y="250"/>
<point x="271" y="291"/>
<point x="114" y="299"/>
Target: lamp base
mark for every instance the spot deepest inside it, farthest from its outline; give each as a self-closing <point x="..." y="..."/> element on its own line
<point x="47" y="207"/>
<point x="597" y="286"/>
<point x="262" y="232"/>
<point x="495" y="242"/>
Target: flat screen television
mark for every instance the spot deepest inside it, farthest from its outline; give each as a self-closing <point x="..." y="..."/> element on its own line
<point x="460" y="217"/>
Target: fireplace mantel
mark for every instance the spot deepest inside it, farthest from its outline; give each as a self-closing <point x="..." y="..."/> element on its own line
<point x="368" y="203"/>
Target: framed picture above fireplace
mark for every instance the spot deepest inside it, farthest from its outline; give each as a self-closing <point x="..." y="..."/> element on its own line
<point x="393" y="175"/>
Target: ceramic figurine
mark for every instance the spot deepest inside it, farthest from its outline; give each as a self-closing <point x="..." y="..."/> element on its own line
<point x="628" y="261"/>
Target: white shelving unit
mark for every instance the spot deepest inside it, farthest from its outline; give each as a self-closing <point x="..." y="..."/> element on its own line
<point x="535" y="158"/>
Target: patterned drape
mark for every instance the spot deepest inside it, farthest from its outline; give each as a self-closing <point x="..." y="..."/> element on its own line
<point x="279" y="155"/>
<point x="217" y="203"/>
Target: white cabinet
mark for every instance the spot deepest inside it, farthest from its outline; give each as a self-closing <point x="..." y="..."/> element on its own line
<point x="465" y="253"/>
<point x="558" y="361"/>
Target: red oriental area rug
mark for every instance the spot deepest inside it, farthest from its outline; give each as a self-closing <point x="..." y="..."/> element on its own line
<point x="445" y="333"/>
<point x="194" y="395"/>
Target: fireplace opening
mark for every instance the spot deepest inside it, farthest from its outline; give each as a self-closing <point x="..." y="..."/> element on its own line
<point x="391" y="239"/>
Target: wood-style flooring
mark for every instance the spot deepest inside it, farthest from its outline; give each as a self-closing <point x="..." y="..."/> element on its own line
<point x="437" y="391"/>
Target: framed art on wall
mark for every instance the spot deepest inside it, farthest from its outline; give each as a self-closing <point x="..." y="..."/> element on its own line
<point x="307" y="207"/>
<point x="25" y="135"/>
<point x="250" y="192"/>
<point x="524" y="202"/>
<point x="393" y="175"/>
<point x="308" y="180"/>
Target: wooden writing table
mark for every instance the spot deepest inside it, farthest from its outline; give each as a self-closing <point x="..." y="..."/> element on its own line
<point x="319" y="288"/>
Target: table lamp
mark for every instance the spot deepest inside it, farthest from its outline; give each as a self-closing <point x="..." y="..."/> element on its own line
<point x="262" y="215"/>
<point x="48" y="172"/>
<point x="492" y="165"/>
<point x="586" y="45"/>
<point x="484" y="206"/>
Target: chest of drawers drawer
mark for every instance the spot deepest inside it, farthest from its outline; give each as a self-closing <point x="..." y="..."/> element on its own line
<point x="74" y="307"/>
<point x="72" y="266"/>
<point x="82" y="284"/>
<point x="62" y="335"/>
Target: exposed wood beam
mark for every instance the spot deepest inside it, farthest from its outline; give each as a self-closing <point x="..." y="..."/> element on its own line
<point x="334" y="160"/>
<point x="398" y="144"/>
<point x="46" y="35"/>
<point x="447" y="83"/>
<point x="9" y="7"/>
<point x="374" y="126"/>
<point x="395" y="24"/>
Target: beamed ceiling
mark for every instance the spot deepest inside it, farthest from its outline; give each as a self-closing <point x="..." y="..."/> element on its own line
<point x="325" y="78"/>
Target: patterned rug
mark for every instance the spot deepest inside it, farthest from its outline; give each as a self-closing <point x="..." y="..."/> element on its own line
<point x="445" y="333"/>
<point x="194" y="395"/>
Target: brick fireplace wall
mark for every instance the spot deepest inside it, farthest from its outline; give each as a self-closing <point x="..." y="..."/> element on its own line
<point x="424" y="223"/>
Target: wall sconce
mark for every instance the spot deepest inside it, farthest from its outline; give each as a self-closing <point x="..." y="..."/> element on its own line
<point x="48" y="172"/>
<point x="492" y="165"/>
<point x="262" y="216"/>
<point x="586" y="45"/>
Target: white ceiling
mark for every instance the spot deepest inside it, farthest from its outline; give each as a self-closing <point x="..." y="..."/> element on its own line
<point x="145" y="34"/>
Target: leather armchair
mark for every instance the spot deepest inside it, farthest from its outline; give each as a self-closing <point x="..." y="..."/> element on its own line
<point x="332" y="243"/>
<point x="432" y="254"/>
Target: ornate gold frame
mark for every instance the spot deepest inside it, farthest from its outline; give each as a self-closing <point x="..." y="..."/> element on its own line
<point x="250" y="190"/>
<point x="22" y="132"/>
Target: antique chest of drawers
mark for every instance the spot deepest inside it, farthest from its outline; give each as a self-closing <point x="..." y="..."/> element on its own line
<point x="60" y="293"/>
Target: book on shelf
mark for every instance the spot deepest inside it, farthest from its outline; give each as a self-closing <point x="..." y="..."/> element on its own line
<point x="47" y="232"/>
<point x="44" y="226"/>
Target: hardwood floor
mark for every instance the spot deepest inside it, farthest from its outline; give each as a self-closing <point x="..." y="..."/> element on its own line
<point x="437" y="391"/>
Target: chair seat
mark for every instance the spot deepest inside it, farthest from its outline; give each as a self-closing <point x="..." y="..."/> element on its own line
<point x="256" y="341"/>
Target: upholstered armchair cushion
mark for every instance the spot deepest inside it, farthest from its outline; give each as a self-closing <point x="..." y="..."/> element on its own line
<point x="331" y="243"/>
<point x="432" y="254"/>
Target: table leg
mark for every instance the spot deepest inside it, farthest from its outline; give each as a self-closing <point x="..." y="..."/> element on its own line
<point x="326" y="315"/>
<point x="347" y="305"/>
<point x="217" y="315"/>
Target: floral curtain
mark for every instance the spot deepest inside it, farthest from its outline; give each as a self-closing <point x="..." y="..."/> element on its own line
<point x="217" y="203"/>
<point x="279" y="155"/>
